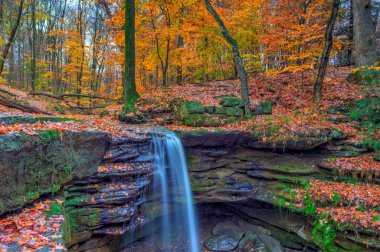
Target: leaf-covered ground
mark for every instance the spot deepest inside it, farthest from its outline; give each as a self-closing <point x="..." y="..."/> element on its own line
<point x="355" y="206"/>
<point x="360" y="166"/>
<point x="32" y="229"/>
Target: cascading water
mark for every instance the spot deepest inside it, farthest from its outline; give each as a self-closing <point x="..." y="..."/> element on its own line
<point x="171" y="181"/>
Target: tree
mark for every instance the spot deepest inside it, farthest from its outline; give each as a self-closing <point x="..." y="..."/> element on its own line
<point x="237" y="58"/>
<point x="326" y="51"/>
<point x="364" y="33"/>
<point x="130" y="94"/>
<point x="34" y="49"/>
<point x="11" y="37"/>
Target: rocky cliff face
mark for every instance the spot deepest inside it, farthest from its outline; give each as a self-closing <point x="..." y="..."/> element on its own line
<point x="251" y="179"/>
<point x="229" y="169"/>
<point x="31" y="165"/>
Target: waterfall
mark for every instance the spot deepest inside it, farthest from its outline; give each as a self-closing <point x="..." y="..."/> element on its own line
<point x="171" y="181"/>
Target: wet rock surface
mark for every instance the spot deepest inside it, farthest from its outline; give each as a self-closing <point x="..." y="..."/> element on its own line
<point x="110" y="202"/>
<point x="221" y="242"/>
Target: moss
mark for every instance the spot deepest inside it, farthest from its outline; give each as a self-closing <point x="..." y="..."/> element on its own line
<point x="191" y="107"/>
<point x="366" y="110"/>
<point x="266" y="107"/>
<point x="377" y="156"/>
<point x="67" y="169"/>
<point x="221" y="110"/>
<point x="230" y="101"/>
<point x="210" y="109"/>
<point x="55" y="209"/>
<point x="26" y="119"/>
<point x="49" y="135"/>
<point x="234" y="111"/>
<point x="197" y="188"/>
<point x="76" y="200"/>
<point x="32" y="196"/>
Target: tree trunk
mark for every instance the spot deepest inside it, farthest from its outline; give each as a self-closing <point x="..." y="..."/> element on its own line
<point x="179" y="67"/>
<point x="130" y="94"/>
<point x="237" y="58"/>
<point x="326" y="51"/>
<point x="364" y="33"/>
<point x="34" y="40"/>
<point x="22" y="107"/>
<point x="350" y="35"/>
<point x="1" y="13"/>
<point x="11" y="37"/>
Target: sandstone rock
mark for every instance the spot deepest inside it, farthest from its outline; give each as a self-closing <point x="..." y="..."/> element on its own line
<point x="33" y="165"/>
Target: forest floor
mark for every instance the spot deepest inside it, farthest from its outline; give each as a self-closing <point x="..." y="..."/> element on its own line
<point x="294" y="114"/>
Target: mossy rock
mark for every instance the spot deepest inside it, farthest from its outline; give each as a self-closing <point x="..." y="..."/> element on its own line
<point x="234" y="111"/>
<point x="366" y="76"/>
<point x="337" y="110"/>
<point x="267" y="107"/>
<point x="376" y="157"/>
<point x="221" y="110"/>
<point x="191" y="107"/>
<point x="232" y="119"/>
<point x="31" y="166"/>
<point x="230" y="102"/>
<point x="367" y="109"/>
<point x="210" y="109"/>
<point x="198" y="120"/>
<point x="263" y="108"/>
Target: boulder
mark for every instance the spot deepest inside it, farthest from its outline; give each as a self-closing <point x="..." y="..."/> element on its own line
<point x="32" y="165"/>
<point x="221" y="110"/>
<point x="263" y="108"/>
<point x="228" y="228"/>
<point x="230" y="102"/>
<point x="210" y="109"/>
<point x="191" y="107"/>
<point x="198" y="120"/>
<point x="234" y="111"/>
<point x="221" y="242"/>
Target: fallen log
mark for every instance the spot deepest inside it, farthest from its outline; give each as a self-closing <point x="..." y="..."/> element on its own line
<point x="8" y="92"/>
<point x="88" y="96"/>
<point x="59" y="97"/>
<point x="62" y="96"/>
<point x="84" y="108"/>
<point x="18" y="106"/>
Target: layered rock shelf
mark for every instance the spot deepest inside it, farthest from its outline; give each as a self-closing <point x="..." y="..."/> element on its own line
<point x="104" y="184"/>
<point x="109" y="203"/>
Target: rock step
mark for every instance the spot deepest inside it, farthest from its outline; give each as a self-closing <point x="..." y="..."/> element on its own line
<point x="105" y="194"/>
<point x="137" y="138"/>
<point x="123" y="169"/>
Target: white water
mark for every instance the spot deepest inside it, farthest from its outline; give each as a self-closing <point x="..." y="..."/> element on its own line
<point x="172" y="180"/>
